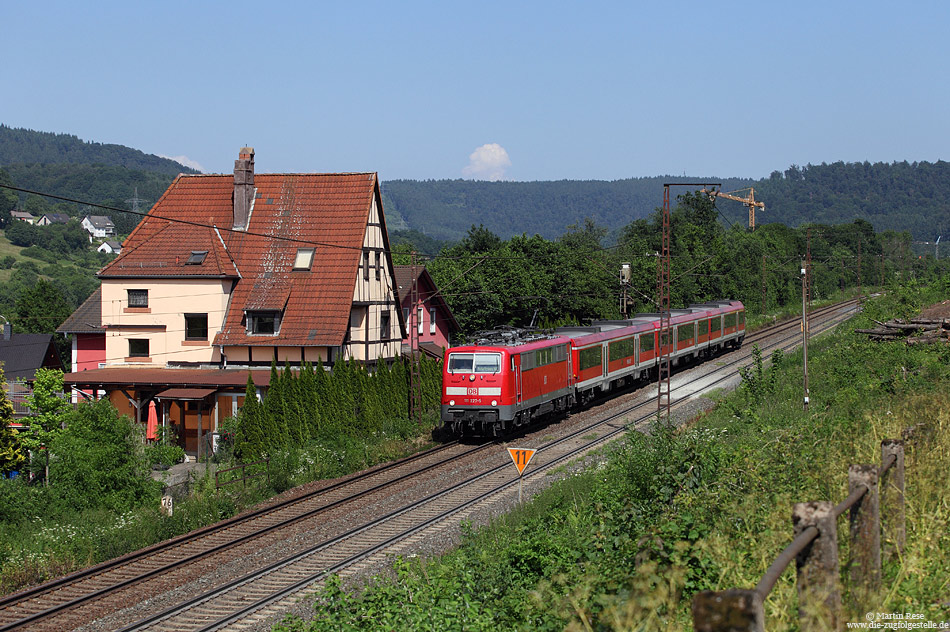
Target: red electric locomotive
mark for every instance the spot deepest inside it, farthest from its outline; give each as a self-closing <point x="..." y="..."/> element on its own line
<point x="506" y="379"/>
<point x="502" y="382"/>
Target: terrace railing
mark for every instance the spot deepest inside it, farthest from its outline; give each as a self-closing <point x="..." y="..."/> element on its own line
<point x="815" y="552"/>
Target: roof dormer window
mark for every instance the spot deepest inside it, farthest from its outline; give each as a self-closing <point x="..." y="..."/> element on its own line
<point x="263" y="322"/>
<point x="304" y="259"/>
<point x="197" y="257"/>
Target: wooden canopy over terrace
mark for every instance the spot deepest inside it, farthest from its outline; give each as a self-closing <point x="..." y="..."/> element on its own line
<point x="200" y="394"/>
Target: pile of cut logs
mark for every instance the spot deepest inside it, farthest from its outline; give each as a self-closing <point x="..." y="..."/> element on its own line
<point x="916" y="331"/>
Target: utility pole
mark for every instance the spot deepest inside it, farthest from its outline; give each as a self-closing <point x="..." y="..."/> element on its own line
<point x="663" y="403"/>
<point x="903" y="262"/>
<point x="860" y="285"/>
<point x="808" y="279"/>
<point x="805" y="329"/>
<point x="415" y="357"/>
<point x="937" y="248"/>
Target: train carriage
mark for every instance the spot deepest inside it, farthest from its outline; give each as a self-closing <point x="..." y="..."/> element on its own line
<point x="726" y="323"/>
<point x="507" y="378"/>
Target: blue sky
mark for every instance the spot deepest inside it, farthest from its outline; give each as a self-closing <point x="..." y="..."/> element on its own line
<point x="514" y="90"/>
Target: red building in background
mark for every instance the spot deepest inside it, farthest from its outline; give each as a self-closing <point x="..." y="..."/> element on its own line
<point x="89" y="336"/>
<point x="430" y="316"/>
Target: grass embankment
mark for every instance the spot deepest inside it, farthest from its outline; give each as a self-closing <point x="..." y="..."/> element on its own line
<point x="42" y="535"/>
<point x="625" y="547"/>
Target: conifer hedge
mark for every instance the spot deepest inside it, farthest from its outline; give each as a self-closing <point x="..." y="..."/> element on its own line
<point x="313" y="404"/>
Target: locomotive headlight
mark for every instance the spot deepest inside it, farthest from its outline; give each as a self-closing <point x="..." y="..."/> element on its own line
<point x="472" y="377"/>
<point x="494" y="402"/>
<point x="451" y="402"/>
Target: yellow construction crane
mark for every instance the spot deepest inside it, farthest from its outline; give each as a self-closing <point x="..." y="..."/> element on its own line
<point x="749" y="201"/>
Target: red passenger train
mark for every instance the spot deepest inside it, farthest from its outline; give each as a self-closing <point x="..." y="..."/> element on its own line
<point x="506" y="379"/>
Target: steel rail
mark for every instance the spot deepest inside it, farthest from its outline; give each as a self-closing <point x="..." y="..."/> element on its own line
<point x="147" y="574"/>
<point x="99" y="569"/>
<point x="298" y="585"/>
<point x="256" y="576"/>
<point x="218" y="526"/>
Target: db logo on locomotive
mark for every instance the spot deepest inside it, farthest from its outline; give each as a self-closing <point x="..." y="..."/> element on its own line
<point x="473" y="390"/>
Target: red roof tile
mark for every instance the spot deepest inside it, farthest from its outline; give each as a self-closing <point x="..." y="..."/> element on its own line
<point x="326" y="211"/>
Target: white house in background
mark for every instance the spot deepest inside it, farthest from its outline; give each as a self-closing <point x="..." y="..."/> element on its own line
<point x="23" y="216"/>
<point x="110" y="246"/>
<point x="98" y="226"/>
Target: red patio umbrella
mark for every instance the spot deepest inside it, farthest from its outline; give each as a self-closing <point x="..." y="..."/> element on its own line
<point x="151" y="428"/>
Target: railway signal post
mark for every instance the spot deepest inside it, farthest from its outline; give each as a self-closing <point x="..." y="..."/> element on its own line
<point x="521" y="457"/>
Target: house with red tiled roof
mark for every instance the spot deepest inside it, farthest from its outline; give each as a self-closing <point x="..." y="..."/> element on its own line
<point x="229" y="273"/>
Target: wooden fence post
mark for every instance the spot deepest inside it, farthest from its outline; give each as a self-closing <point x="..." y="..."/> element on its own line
<point x="735" y="610"/>
<point x="819" y="599"/>
<point x="865" y="518"/>
<point x="892" y="494"/>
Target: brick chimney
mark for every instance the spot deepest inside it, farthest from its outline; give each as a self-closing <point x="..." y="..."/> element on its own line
<point x="243" y="187"/>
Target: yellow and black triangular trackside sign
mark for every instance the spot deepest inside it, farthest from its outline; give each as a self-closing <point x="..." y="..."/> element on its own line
<point x="521" y="457"/>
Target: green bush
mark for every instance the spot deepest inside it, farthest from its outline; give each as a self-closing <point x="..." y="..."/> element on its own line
<point x="100" y="461"/>
<point x="160" y="454"/>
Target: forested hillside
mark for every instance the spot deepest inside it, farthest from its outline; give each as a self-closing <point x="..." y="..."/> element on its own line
<point x="100" y="184"/>
<point x="446" y="209"/>
<point x="900" y="196"/>
<point x="62" y="164"/>
<point x="892" y="196"/>
<point x="26" y="146"/>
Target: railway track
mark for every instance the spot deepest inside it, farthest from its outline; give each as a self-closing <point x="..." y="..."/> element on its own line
<point x="269" y="591"/>
<point x="269" y="588"/>
<point x="19" y="610"/>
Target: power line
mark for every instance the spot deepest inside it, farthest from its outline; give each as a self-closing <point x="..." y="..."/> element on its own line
<point x="186" y="222"/>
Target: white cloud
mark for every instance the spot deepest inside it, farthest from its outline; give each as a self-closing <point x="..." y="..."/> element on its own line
<point x="487" y="162"/>
<point x="185" y="160"/>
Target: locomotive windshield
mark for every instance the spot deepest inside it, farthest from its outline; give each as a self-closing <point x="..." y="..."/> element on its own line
<point x="474" y="363"/>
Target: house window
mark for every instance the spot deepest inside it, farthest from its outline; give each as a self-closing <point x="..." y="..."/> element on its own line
<point x="304" y="259"/>
<point x="366" y="265"/>
<point x="197" y="257"/>
<point x="196" y="326"/>
<point x="431" y="320"/>
<point x="138" y="298"/>
<point x="138" y="347"/>
<point x="420" y="316"/>
<point x="384" y="326"/>
<point x="379" y="262"/>
<point x="263" y="322"/>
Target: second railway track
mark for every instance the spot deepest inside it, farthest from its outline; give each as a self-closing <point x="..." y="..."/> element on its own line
<point x="59" y="605"/>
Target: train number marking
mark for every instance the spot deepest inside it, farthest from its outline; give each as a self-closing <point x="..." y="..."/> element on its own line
<point x="521" y="457"/>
